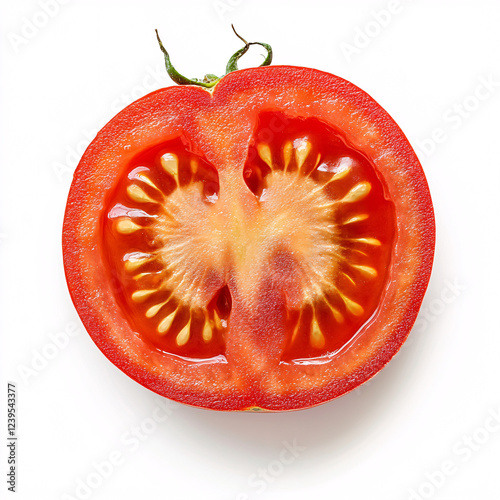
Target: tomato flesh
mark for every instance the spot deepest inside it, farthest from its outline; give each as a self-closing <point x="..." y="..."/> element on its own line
<point x="266" y="245"/>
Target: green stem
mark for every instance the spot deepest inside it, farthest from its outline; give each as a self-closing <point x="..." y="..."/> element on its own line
<point x="210" y="80"/>
<point x="232" y="64"/>
<point x="176" y="76"/>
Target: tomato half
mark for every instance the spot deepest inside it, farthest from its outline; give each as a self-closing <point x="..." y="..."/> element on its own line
<point x="263" y="245"/>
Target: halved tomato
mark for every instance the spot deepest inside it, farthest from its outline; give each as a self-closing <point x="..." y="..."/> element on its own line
<point x="264" y="244"/>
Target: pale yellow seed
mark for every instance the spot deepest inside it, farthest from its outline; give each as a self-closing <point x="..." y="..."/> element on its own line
<point x="336" y="313"/>
<point x="296" y="330"/>
<point x="359" y="251"/>
<point x="194" y="165"/>
<point x="144" y="178"/>
<point x="316" y="163"/>
<point x="352" y="307"/>
<point x="368" y="271"/>
<point x="166" y="322"/>
<point x="356" y="218"/>
<point x="141" y="275"/>
<point x="136" y="193"/>
<point x="349" y="278"/>
<point x="339" y="318"/>
<point x="183" y="335"/>
<point x="126" y="226"/>
<point x="170" y="163"/>
<point x="265" y="153"/>
<point x="358" y="192"/>
<point x="217" y="320"/>
<point x="369" y="241"/>
<point x="316" y="337"/>
<point x="207" y="332"/>
<point x="132" y="265"/>
<point x="154" y="310"/>
<point x="340" y="175"/>
<point x="302" y="151"/>
<point x="287" y="153"/>
<point x="141" y="295"/>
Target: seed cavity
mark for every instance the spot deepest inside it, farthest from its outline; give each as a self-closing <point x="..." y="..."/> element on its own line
<point x="340" y="265"/>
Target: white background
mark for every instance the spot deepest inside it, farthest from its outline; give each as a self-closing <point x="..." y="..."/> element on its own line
<point x="430" y="408"/>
